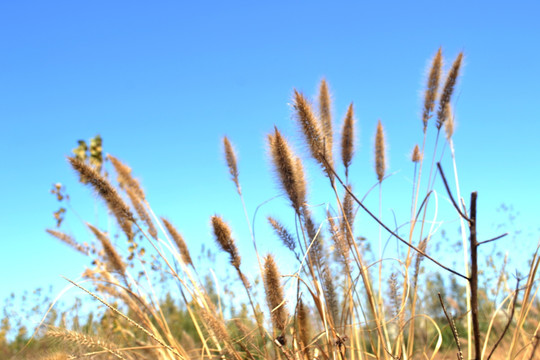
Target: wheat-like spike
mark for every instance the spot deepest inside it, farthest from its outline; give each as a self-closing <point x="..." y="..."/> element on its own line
<point x="380" y="161"/>
<point x="394" y="293"/>
<point x="422" y="246"/>
<point x="274" y="293"/>
<point x="416" y="155"/>
<point x="313" y="134"/>
<point x="347" y="139"/>
<point x="338" y="236"/>
<point x="230" y="157"/>
<point x="224" y="239"/>
<point x="289" y="169"/>
<point x="108" y="193"/>
<point x="68" y="240"/>
<point x="179" y="240"/>
<point x="143" y="214"/>
<point x="451" y="79"/>
<point x="432" y="87"/>
<point x="314" y="236"/>
<point x="330" y="293"/>
<point x="348" y="214"/>
<point x="325" y="114"/>
<point x="282" y="233"/>
<point x="135" y="324"/>
<point x="219" y="330"/>
<point x="125" y="177"/>
<point x="303" y="328"/>
<point x="300" y="180"/>
<point x="449" y="123"/>
<point x="83" y="340"/>
<point x="114" y="258"/>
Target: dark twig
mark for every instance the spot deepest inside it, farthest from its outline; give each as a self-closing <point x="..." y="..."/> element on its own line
<point x="452" y="327"/>
<point x="386" y="227"/>
<point x="450" y="193"/>
<point x="508" y="323"/>
<point x="490" y="240"/>
<point x="474" y="276"/>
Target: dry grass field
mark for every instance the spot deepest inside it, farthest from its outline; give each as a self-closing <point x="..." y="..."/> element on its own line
<point x="344" y="301"/>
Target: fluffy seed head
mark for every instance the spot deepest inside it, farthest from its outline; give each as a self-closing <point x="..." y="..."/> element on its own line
<point x="107" y="192"/>
<point x="274" y="293"/>
<point x="380" y="163"/>
<point x="313" y="134"/>
<point x="179" y="240"/>
<point x="289" y="169"/>
<point x="224" y="239"/>
<point x="451" y="79"/>
<point x="347" y="139"/>
<point x="416" y="155"/>
<point x="303" y="327"/>
<point x="449" y="123"/>
<point x="141" y="211"/>
<point x="348" y="214"/>
<point x="68" y="240"/>
<point x="110" y="252"/>
<point x="230" y="157"/>
<point x="325" y="114"/>
<point x="282" y="233"/>
<point x="432" y="87"/>
<point x="125" y="178"/>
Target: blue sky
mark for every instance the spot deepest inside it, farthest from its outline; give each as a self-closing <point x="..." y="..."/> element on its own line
<point x="162" y="82"/>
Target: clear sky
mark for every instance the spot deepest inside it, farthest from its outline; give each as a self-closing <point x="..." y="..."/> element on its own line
<point x="163" y="81"/>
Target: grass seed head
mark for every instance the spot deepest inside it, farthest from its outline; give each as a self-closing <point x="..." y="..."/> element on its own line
<point x="274" y="293"/>
<point x="446" y="96"/>
<point x="347" y="139"/>
<point x="289" y="168"/>
<point x="325" y="114"/>
<point x="380" y="160"/>
<point x="107" y="192"/>
<point x="313" y="134"/>
<point x="224" y="239"/>
<point x="230" y="157"/>
<point x="432" y="87"/>
<point x="416" y="155"/>
<point x="179" y="240"/>
<point x="111" y="254"/>
<point x="125" y="178"/>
